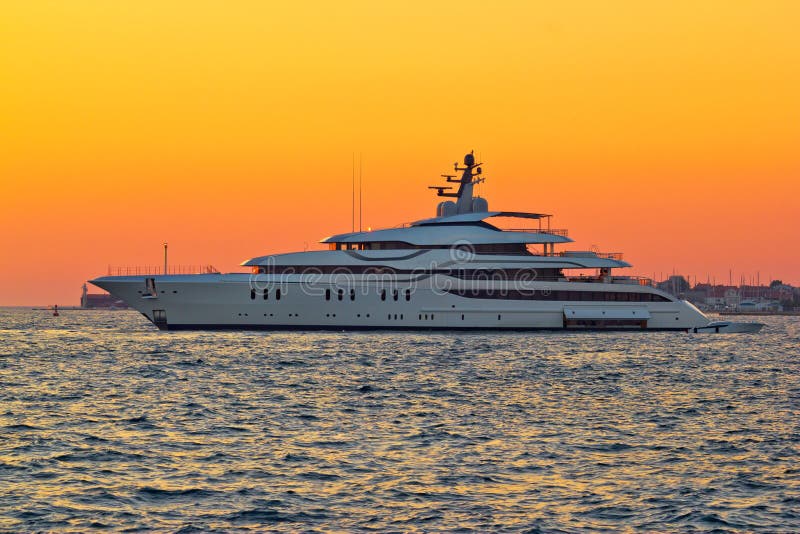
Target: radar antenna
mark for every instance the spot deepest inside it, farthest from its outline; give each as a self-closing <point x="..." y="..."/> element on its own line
<point x="471" y="175"/>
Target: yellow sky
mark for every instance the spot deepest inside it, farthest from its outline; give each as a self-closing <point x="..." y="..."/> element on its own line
<point x="666" y="130"/>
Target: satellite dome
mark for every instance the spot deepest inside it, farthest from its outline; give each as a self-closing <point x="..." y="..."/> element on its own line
<point x="479" y="205"/>
<point x="446" y="208"/>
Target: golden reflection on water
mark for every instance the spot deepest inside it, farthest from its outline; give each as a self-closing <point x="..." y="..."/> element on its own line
<point x="111" y="422"/>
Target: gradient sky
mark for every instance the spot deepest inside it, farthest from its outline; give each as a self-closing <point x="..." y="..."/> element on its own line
<point x="669" y="131"/>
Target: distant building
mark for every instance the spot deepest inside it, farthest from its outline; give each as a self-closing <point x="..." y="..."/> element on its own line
<point x="776" y="297"/>
<point x="676" y="285"/>
<point x="100" y="300"/>
<point x="760" y="306"/>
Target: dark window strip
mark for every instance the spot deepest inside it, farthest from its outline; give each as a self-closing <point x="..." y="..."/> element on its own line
<point x="560" y="295"/>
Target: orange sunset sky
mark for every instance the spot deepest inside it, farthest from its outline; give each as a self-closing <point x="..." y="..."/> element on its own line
<point x="669" y="131"/>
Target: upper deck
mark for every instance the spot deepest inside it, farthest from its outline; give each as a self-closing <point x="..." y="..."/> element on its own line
<point x="463" y="224"/>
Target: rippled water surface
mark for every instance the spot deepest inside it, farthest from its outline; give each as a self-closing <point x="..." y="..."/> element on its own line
<point x="106" y="422"/>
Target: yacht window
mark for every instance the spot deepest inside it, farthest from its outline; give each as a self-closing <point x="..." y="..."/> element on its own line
<point x="252" y="294"/>
<point x="352" y="294"/>
<point x="340" y="294"/>
<point x="408" y="295"/>
<point x="327" y="294"/>
<point x="566" y="295"/>
<point x="266" y="293"/>
<point x="394" y="294"/>
<point x="383" y="294"/>
<point x="277" y="294"/>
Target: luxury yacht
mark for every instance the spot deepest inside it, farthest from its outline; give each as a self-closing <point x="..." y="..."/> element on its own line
<point x="457" y="270"/>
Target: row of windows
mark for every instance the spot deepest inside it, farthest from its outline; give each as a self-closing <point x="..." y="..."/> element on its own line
<point x="396" y="295"/>
<point x="506" y="294"/>
<point x="466" y="274"/>
<point x="489" y="248"/>
<point x="340" y="294"/>
<point x="562" y="295"/>
<point x="265" y="294"/>
<point x="507" y="274"/>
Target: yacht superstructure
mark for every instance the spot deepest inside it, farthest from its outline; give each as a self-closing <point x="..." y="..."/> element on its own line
<point x="457" y="270"/>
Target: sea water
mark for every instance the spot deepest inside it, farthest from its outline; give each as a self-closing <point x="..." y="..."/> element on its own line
<point x="108" y="423"/>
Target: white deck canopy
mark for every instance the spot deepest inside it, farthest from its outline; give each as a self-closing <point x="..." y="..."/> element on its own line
<point x="447" y="234"/>
<point x="479" y="216"/>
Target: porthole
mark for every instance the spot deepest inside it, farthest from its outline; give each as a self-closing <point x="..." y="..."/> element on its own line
<point x="340" y="294"/>
<point x="266" y="293"/>
<point x="401" y="316"/>
<point x="252" y="294"/>
<point x="408" y="295"/>
<point x="383" y="294"/>
<point x="499" y="317"/>
<point x="278" y="294"/>
<point x="462" y="316"/>
<point x="327" y="294"/>
<point x="394" y="294"/>
<point x="352" y="294"/>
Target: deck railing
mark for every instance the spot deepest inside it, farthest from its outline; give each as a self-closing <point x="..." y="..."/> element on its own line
<point x="553" y="231"/>
<point x="591" y="254"/>
<point x="143" y="270"/>
<point x="629" y="280"/>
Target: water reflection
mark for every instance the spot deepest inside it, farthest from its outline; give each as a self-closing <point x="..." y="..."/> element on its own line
<point x="107" y="423"/>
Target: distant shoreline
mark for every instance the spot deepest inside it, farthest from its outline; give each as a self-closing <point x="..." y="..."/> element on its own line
<point x="762" y="313"/>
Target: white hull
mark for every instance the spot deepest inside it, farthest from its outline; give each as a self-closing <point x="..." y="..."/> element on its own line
<point x="218" y="301"/>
